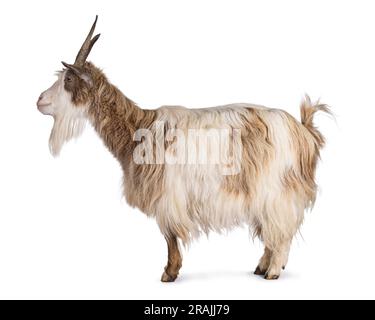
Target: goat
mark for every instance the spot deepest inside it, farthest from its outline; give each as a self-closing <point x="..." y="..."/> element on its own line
<point x="268" y="188"/>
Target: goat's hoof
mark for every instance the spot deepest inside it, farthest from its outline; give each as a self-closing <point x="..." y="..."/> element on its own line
<point x="259" y="272"/>
<point x="271" y="276"/>
<point x="167" y="278"/>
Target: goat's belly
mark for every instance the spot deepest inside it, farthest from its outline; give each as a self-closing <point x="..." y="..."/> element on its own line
<point x="194" y="202"/>
<point x="216" y="213"/>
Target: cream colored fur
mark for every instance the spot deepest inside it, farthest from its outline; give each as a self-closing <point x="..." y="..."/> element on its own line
<point x="194" y="200"/>
<point x="69" y="121"/>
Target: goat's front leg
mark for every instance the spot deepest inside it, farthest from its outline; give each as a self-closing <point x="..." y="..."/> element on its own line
<point x="174" y="260"/>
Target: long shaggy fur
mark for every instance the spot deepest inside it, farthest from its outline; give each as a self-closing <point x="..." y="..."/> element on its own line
<point x="274" y="186"/>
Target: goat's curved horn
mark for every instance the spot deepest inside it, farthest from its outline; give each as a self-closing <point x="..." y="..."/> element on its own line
<point x="86" y="46"/>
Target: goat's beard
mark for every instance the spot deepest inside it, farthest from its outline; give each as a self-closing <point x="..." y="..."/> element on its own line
<point x="66" y="126"/>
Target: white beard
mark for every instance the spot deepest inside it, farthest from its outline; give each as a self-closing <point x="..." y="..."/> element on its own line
<point x="68" y="124"/>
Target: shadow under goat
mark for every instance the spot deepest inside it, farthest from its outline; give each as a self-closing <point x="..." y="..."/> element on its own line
<point x="197" y="170"/>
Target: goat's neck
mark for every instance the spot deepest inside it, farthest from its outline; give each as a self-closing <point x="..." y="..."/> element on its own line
<point x="116" y="118"/>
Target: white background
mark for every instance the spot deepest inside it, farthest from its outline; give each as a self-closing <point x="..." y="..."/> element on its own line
<point x="66" y="231"/>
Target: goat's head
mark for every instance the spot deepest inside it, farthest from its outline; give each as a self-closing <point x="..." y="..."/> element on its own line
<point x="67" y="100"/>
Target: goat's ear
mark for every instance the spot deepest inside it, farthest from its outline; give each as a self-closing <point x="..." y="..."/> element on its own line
<point x="78" y="72"/>
<point x="73" y="68"/>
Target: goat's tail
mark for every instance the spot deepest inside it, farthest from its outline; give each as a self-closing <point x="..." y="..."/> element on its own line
<point x="308" y="109"/>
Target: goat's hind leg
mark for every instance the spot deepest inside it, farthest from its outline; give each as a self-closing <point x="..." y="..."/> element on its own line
<point x="278" y="260"/>
<point x="264" y="262"/>
<point x="275" y="255"/>
<point x="174" y="260"/>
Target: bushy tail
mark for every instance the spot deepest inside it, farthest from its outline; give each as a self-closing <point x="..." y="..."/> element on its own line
<point x="308" y="109"/>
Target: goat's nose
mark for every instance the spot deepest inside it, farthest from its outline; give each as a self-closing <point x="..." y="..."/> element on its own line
<point x="39" y="100"/>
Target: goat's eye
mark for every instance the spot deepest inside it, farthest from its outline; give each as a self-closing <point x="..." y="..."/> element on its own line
<point x="68" y="79"/>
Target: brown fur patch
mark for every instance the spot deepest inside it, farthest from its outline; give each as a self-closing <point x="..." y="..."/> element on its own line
<point x="303" y="181"/>
<point x="256" y="149"/>
<point x="116" y="118"/>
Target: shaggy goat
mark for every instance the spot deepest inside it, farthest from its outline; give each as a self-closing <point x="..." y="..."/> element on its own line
<point x="267" y="183"/>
